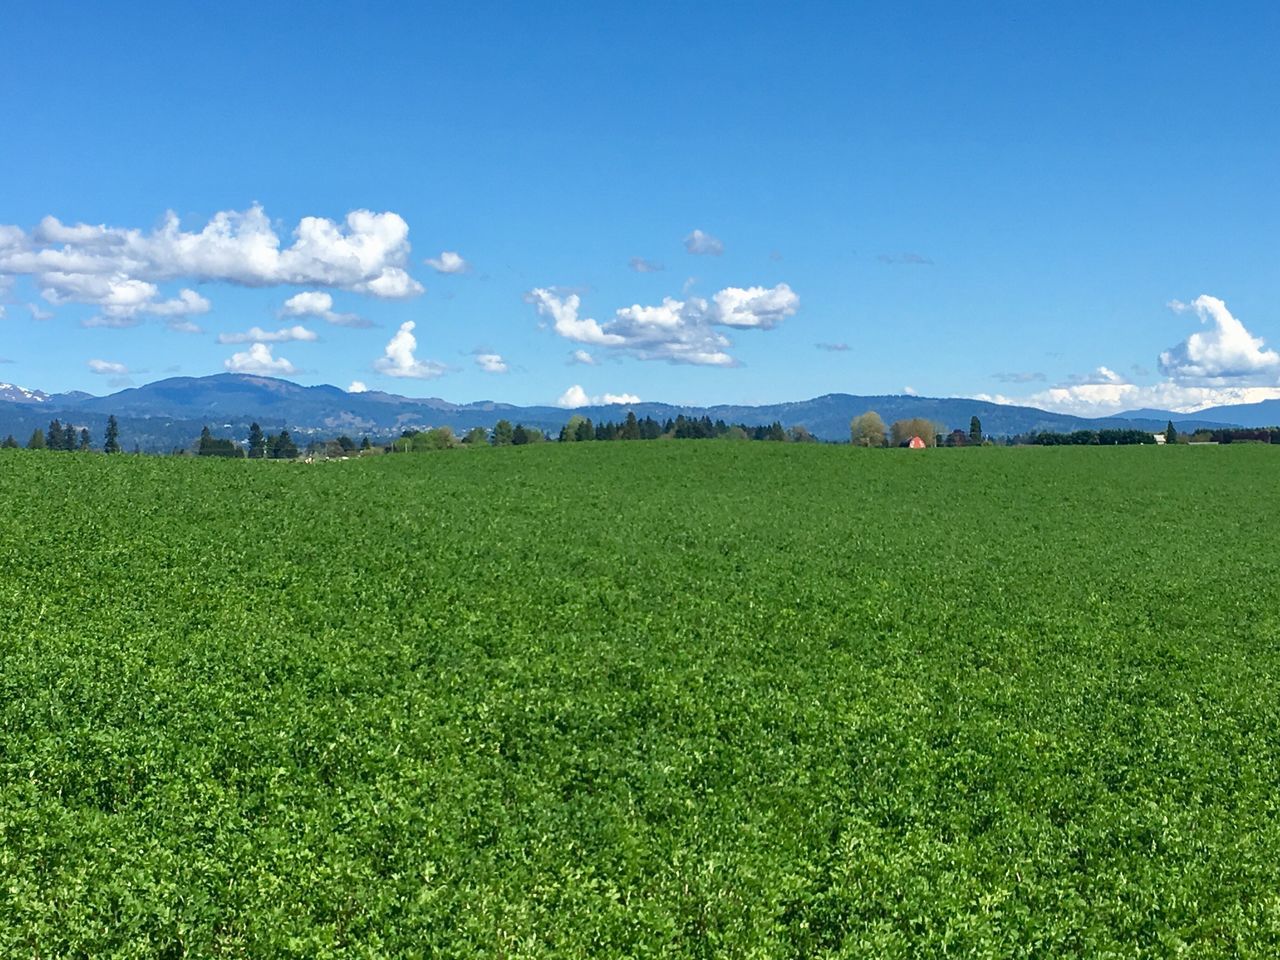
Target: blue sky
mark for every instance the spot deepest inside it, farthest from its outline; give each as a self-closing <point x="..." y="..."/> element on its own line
<point x="956" y="199"/>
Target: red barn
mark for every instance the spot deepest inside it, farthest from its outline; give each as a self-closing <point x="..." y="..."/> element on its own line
<point x="915" y="443"/>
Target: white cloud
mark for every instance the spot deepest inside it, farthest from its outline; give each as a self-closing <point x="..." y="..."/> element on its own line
<point x="184" y="326"/>
<point x="703" y="243"/>
<point x="118" y="268"/>
<point x="612" y="398"/>
<point x="1226" y="352"/>
<point x="449" y="261"/>
<point x="108" y="367"/>
<point x="679" y="331"/>
<point x="491" y="362"/>
<point x="317" y="303"/>
<point x="398" y="360"/>
<point x="258" y="335"/>
<point x="1107" y="397"/>
<point x="582" y="357"/>
<point x="910" y="391"/>
<point x="755" y="306"/>
<point x="563" y="314"/>
<point x="357" y="386"/>
<point x="575" y="396"/>
<point x="258" y="359"/>
<point x="39" y="313"/>
<point x="641" y="265"/>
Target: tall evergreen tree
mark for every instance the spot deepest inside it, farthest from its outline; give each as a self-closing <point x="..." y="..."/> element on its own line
<point x="85" y="439"/>
<point x="502" y="433"/>
<point x="53" y="436"/>
<point x="519" y="436"/>
<point x="1170" y="433"/>
<point x="257" y="442"/>
<point x="631" y="429"/>
<point x="68" y="437"/>
<point x="975" y="430"/>
<point x="9" y="443"/>
<point x="111" y="441"/>
<point x="37" y="440"/>
<point x="365" y="444"/>
<point x="282" y="447"/>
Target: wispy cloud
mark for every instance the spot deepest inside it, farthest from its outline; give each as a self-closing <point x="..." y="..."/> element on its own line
<point x="491" y="362"/>
<point x="704" y="244"/>
<point x="449" y="261"/>
<point x="258" y="335"/>
<point x="1019" y="376"/>
<point x="832" y="347"/>
<point x="108" y="368"/>
<point x="641" y="265"/>
<point x="905" y="259"/>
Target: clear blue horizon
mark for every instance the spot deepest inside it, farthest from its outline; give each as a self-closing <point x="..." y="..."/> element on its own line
<point x="1070" y="208"/>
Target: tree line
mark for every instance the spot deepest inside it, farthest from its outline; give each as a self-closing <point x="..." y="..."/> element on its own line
<point x="65" y="437"/>
<point x="869" y="430"/>
<point x="580" y="429"/>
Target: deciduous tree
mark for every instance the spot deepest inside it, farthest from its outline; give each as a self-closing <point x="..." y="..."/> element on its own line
<point x="867" y="430"/>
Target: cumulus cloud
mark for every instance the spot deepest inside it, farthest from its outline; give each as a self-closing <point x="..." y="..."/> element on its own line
<point x="1227" y="352"/>
<point x="1104" y="392"/>
<point x="641" y="265"/>
<point x="703" y="243"/>
<point x="258" y="335"/>
<point x="678" y="331"/>
<point x="910" y="391"/>
<point x="448" y="262"/>
<point x="398" y="360"/>
<point x="357" y="386"/>
<point x="575" y="396"/>
<point x="491" y="362"/>
<point x="754" y="306"/>
<point x="108" y="367"/>
<point x="118" y="268"/>
<point x="582" y="357"/>
<point x="258" y="359"/>
<point x="317" y="303"/>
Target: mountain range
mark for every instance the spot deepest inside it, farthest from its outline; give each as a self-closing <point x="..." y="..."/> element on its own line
<point x="170" y="413"/>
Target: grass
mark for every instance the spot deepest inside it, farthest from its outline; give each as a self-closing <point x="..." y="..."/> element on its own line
<point x="659" y="699"/>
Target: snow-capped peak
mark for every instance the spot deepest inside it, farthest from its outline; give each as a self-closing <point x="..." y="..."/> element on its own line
<point x="15" y="394"/>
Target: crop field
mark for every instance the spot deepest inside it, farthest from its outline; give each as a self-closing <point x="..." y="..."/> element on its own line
<point x="659" y="699"/>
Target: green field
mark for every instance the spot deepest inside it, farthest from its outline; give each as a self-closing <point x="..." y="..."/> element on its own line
<point x="660" y="699"/>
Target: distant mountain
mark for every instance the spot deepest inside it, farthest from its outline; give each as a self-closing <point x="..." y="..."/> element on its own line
<point x="169" y="413"/>
<point x="15" y="394"/>
<point x="1265" y="413"/>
